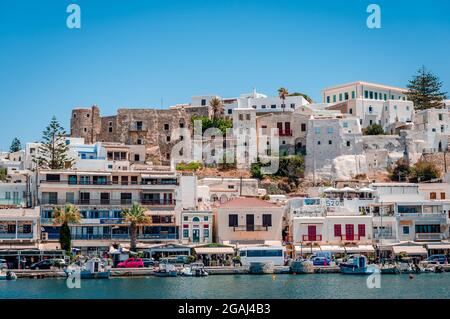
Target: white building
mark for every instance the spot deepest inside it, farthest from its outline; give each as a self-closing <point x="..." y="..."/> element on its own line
<point x="372" y="103"/>
<point x="433" y="126"/>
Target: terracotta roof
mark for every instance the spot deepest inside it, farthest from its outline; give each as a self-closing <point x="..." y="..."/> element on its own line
<point x="245" y="202"/>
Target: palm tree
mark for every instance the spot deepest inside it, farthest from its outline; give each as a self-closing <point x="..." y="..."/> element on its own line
<point x="134" y="216"/>
<point x="216" y="105"/>
<point x="282" y="93"/>
<point x="64" y="217"/>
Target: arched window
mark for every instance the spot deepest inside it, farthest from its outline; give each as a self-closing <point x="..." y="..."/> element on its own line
<point x="196" y="219"/>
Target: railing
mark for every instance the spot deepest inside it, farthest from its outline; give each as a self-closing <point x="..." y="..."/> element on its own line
<point x="110" y="202"/>
<point x="134" y="127"/>
<point x="429" y="236"/>
<point x="108" y="183"/>
<point x="157" y="236"/>
<point x="312" y="237"/>
<point x="250" y="228"/>
<point x="99" y="237"/>
<point x="14" y="236"/>
<point x="285" y="132"/>
<point x="12" y="201"/>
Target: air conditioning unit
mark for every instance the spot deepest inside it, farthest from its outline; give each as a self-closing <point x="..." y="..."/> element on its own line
<point x="44" y="236"/>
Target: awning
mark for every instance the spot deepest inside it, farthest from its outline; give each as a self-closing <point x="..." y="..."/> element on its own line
<point x="93" y="174"/>
<point x="214" y="250"/>
<point x="409" y="250"/>
<point x="439" y="246"/>
<point x="90" y="243"/>
<point x="360" y="249"/>
<point x="306" y="249"/>
<point x="50" y="246"/>
<point x="332" y="248"/>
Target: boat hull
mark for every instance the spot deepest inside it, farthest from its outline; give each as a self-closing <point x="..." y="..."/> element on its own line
<point x="166" y="274"/>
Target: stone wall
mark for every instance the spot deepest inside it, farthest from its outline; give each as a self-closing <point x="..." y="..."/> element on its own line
<point x="154" y="128"/>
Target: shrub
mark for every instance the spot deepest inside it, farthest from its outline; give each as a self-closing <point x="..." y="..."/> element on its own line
<point x="374" y="129"/>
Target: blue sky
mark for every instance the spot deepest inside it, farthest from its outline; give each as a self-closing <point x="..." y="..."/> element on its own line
<point x="139" y="53"/>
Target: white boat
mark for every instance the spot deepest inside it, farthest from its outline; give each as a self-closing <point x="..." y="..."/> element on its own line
<point x="194" y="270"/>
<point x="7" y="275"/>
<point x="92" y="269"/>
<point x="357" y="265"/>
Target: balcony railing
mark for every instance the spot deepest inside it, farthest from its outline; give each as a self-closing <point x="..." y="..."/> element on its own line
<point x="13" y="236"/>
<point x="250" y="228"/>
<point x="429" y="236"/>
<point x="157" y="236"/>
<point x="349" y="237"/>
<point x="122" y="236"/>
<point x="12" y="201"/>
<point x="110" y="202"/>
<point x="285" y="132"/>
<point x="108" y="182"/>
<point x="312" y="237"/>
<point x="135" y="127"/>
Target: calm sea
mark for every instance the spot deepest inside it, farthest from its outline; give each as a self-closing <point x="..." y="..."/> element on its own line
<point x="234" y="287"/>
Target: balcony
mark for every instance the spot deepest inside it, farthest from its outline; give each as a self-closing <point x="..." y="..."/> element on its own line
<point x="250" y="228"/>
<point x="108" y="202"/>
<point x="157" y="236"/>
<point x="312" y="237"/>
<point x="429" y="236"/>
<point x="138" y="127"/>
<point x="109" y="183"/>
<point x="12" y="202"/>
<point x="14" y="236"/>
<point x="285" y="132"/>
<point x="100" y="236"/>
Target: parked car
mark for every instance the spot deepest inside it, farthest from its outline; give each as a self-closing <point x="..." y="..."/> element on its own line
<point x="131" y="263"/>
<point x="439" y="259"/>
<point x="148" y="262"/>
<point x="43" y="264"/>
<point x="3" y="264"/>
<point x="319" y="261"/>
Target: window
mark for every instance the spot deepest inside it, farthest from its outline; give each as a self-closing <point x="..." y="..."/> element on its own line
<point x="167" y="138"/>
<point x="27" y="229"/>
<point x="405" y="230"/>
<point x="318" y="142"/>
<point x="185" y="218"/>
<point x="351" y="111"/>
<point x="317" y="130"/>
<point x="334" y="98"/>
<point x="432" y="195"/>
<point x="273" y="106"/>
<point x="136" y="158"/>
<point x="241" y="117"/>
<point x="186" y="233"/>
<point x="440" y="117"/>
<point x="181" y="125"/>
<point x="385" y="97"/>
<point x="330" y="130"/>
<point x="292" y="105"/>
<point x="110" y="129"/>
<point x="348" y="144"/>
<point x="376" y="95"/>
<point x="166" y="127"/>
<point x="442" y="195"/>
<point x="428" y="229"/>
<point x="370" y="109"/>
<point x="328" y="99"/>
<point x="85" y="130"/>
<point x="362" y="230"/>
<point x="340" y="96"/>
<point x="337" y="231"/>
<point x="206" y="232"/>
<point x="303" y="127"/>
<point x="371" y="95"/>
<point x="247" y="117"/>
<point x="229" y="111"/>
<point x="70" y="198"/>
<point x="196" y="219"/>
<point x="346" y="96"/>
<point x="330" y="142"/>
<point x="87" y="115"/>
<point x="205" y="218"/>
<point x="203" y="102"/>
<point x="345" y="124"/>
<point x="267" y="220"/>
<point x="353" y="94"/>
<point x="139" y="141"/>
<point x="232" y="220"/>
<point x="263" y="106"/>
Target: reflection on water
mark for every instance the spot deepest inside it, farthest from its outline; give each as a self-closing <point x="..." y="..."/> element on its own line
<point x="234" y="287"/>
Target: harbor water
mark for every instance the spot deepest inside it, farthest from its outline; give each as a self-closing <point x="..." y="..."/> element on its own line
<point x="318" y="286"/>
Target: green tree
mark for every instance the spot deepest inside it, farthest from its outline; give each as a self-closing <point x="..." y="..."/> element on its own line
<point x="401" y="171"/>
<point x="217" y="107"/>
<point x="53" y="151"/>
<point x="374" y="129"/>
<point x="307" y="98"/>
<point x="424" y="171"/>
<point x="134" y="217"/>
<point x="221" y="124"/>
<point x="16" y="145"/>
<point x="3" y="174"/>
<point x="64" y="217"/>
<point x="424" y="90"/>
<point x="292" y="166"/>
<point x="282" y="93"/>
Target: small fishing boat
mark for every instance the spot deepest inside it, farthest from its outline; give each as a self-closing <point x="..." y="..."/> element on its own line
<point x="390" y="269"/>
<point x="166" y="270"/>
<point x="7" y="275"/>
<point x="357" y="265"/>
<point x="92" y="269"/>
<point x="194" y="270"/>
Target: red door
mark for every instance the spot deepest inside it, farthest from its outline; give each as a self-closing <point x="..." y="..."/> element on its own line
<point x="312" y="233"/>
<point x="349" y="232"/>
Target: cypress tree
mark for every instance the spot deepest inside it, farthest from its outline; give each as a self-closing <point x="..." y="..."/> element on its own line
<point x="424" y="90"/>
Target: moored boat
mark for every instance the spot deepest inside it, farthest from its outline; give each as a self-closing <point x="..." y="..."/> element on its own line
<point x="357" y="265"/>
<point x="166" y="270"/>
<point x="7" y="275"/>
<point x="194" y="270"/>
<point x="93" y="269"/>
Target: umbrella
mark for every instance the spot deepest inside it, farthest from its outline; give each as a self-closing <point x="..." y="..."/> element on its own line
<point x="366" y="190"/>
<point x="329" y="190"/>
<point x="347" y="189"/>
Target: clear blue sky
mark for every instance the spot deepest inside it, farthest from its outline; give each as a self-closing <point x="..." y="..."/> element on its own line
<point x="136" y="53"/>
